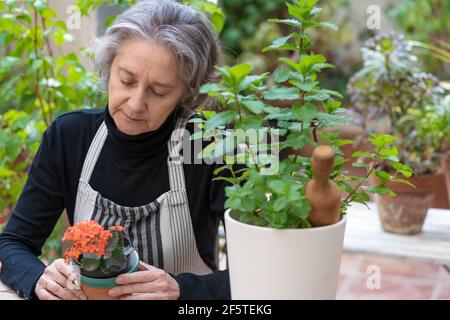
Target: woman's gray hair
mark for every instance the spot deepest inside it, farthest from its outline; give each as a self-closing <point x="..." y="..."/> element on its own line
<point x="187" y="33"/>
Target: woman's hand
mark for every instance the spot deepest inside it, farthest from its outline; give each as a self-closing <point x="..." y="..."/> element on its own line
<point x="149" y="283"/>
<point x="53" y="283"/>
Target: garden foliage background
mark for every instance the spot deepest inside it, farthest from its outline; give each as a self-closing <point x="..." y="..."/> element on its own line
<point x="38" y="82"/>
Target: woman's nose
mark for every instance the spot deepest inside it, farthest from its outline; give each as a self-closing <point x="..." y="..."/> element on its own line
<point x="137" y="100"/>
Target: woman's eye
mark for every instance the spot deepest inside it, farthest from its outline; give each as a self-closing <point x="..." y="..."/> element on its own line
<point x="126" y="83"/>
<point x="159" y="94"/>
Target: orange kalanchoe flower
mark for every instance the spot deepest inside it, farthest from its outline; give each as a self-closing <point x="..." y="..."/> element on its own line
<point x="87" y="237"/>
<point x="117" y="228"/>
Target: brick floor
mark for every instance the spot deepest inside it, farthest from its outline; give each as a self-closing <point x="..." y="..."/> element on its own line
<point x="444" y="293"/>
<point x="400" y="279"/>
<point x="376" y="277"/>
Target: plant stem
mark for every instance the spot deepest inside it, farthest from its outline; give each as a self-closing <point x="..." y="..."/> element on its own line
<point x="300" y="46"/>
<point x="302" y="101"/>
<point x="230" y="167"/>
<point x="37" y="88"/>
<point x="52" y="72"/>
<point x="387" y="66"/>
<point x="349" y="197"/>
<point x="314" y="132"/>
<point x="238" y="106"/>
<point x="47" y="41"/>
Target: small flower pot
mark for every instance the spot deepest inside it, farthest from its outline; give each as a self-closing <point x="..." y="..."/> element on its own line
<point x="406" y="212"/>
<point x="97" y="288"/>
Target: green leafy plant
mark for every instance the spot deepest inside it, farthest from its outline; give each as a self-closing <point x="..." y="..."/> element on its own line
<point x="53" y="248"/>
<point x="33" y="78"/>
<point x="427" y="22"/>
<point x="411" y="104"/>
<point x="19" y="136"/>
<point x="243" y="21"/>
<point x="212" y="10"/>
<point x="246" y="102"/>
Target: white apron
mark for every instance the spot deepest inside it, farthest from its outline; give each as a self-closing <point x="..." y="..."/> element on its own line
<point x="160" y="231"/>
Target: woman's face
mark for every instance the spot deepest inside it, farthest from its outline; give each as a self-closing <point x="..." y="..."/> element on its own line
<point x="144" y="86"/>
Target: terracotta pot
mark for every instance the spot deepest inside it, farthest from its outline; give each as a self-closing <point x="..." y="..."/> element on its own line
<point x="4" y="215"/>
<point x="97" y="293"/>
<point x="98" y="288"/>
<point x="438" y="184"/>
<point x="406" y="212"/>
<point x="441" y="191"/>
<point x="445" y="170"/>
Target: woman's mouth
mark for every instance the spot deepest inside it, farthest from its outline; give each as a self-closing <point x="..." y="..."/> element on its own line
<point x="131" y="118"/>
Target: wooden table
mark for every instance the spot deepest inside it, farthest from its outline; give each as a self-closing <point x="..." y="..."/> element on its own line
<point x="364" y="235"/>
<point x="7" y="293"/>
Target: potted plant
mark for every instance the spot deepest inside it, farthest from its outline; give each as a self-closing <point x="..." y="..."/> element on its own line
<point x="283" y="242"/>
<point x="100" y="256"/>
<point x="397" y="98"/>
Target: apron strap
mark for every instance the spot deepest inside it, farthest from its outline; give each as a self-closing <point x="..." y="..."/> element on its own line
<point x="175" y="160"/>
<point x="176" y="225"/>
<point x="93" y="153"/>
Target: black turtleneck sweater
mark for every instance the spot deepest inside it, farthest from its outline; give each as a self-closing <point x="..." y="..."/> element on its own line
<point x="131" y="171"/>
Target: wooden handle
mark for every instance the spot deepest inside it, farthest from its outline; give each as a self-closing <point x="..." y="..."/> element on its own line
<point x="323" y="158"/>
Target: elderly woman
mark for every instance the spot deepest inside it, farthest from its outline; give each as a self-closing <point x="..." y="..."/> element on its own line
<point x="122" y="166"/>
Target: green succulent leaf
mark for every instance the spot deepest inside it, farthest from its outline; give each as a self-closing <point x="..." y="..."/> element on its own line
<point x="90" y="262"/>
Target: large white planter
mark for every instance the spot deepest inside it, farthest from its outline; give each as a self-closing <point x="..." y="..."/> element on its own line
<point x="266" y="263"/>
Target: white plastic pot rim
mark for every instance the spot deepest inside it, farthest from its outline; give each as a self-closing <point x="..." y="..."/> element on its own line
<point x="267" y="229"/>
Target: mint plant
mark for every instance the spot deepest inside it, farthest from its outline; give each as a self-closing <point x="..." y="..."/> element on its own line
<point x="278" y="199"/>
